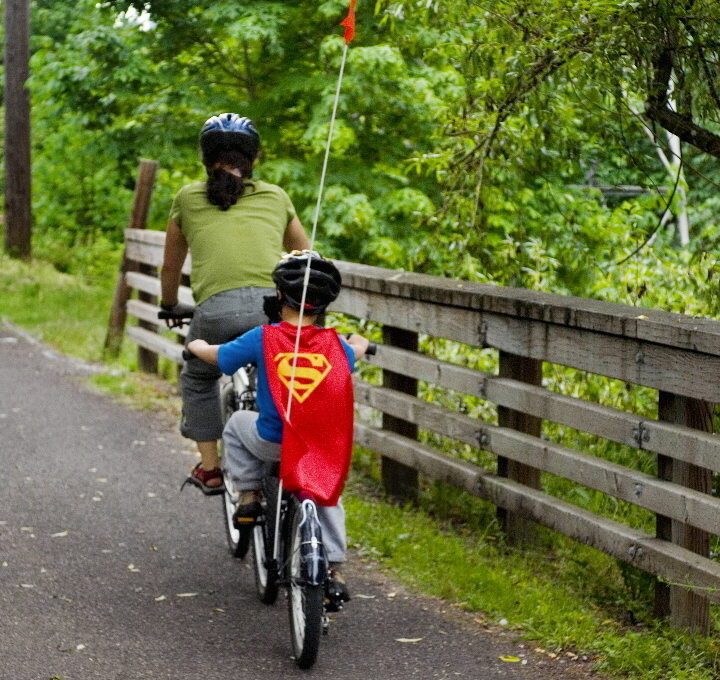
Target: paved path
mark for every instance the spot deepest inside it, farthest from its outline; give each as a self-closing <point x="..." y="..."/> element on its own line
<point x="107" y="572"/>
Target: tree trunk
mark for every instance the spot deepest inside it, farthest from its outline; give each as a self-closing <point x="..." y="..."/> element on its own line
<point x="17" y="129"/>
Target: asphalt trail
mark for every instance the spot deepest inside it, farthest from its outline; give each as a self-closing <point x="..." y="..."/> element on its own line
<point x="108" y="572"/>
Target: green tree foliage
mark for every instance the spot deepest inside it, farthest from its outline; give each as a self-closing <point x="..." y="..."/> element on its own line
<point x="469" y="136"/>
<point x="553" y="96"/>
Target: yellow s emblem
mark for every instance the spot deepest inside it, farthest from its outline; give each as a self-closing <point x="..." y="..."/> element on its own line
<point x="310" y="371"/>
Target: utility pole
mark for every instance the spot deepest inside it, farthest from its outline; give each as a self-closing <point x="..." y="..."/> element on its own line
<point x="18" y="215"/>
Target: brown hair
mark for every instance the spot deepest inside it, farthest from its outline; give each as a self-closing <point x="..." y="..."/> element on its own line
<point x="224" y="188"/>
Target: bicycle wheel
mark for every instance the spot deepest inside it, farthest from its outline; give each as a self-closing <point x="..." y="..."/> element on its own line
<point x="305" y="597"/>
<point x="237" y="540"/>
<point x="261" y="546"/>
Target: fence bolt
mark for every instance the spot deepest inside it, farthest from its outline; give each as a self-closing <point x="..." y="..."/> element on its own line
<point x="635" y="551"/>
<point x="483" y="438"/>
<point x="482" y="334"/>
<point x="641" y="434"/>
<point x="639" y="488"/>
<point x="640" y="358"/>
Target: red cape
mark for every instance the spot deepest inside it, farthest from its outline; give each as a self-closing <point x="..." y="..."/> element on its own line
<point x="317" y="441"/>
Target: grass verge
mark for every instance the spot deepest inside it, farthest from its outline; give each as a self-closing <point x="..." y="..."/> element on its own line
<point x="562" y="595"/>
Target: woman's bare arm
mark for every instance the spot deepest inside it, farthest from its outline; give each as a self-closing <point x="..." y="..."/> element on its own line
<point x="176" y="249"/>
<point x="294" y="237"/>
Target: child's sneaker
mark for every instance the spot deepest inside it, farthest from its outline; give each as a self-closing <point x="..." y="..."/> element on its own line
<point x="248" y="509"/>
<point x="336" y="591"/>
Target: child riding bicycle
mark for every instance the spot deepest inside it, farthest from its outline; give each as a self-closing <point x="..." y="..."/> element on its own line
<point x="315" y="429"/>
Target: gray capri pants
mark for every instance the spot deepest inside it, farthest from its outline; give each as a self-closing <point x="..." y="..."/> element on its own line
<point x="245" y="454"/>
<point x="217" y="320"/>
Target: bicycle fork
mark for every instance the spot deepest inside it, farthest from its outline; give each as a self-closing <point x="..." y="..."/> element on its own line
<point x="313" y="565"/>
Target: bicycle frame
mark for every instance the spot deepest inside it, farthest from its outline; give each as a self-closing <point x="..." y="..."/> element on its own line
<point x="313" y="562"/>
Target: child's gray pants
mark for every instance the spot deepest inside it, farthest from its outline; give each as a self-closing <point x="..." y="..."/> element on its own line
<point x="245" y="454"/>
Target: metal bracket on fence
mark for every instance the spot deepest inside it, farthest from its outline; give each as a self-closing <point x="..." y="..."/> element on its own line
<point x="482" y="334"/>
<point x="635" y="551"/>
<point x="641" y="434"/>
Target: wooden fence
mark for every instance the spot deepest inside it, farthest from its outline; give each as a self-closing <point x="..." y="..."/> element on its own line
<point x="676" y="355"/>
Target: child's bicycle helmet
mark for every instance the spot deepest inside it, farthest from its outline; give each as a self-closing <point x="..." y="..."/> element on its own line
<point x="323" y="284"/>
<point x="229" y="132"/>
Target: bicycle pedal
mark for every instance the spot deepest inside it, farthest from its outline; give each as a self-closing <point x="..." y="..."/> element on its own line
<point x="332" y="604"/>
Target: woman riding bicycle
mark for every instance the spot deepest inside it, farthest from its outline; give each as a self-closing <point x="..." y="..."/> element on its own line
<point x="316" y="434"/>
<point x="235" y="228"/>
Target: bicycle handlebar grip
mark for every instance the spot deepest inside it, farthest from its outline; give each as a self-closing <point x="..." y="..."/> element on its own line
<point x="165" y="314"/>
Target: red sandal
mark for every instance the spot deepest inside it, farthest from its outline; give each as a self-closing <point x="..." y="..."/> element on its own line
<point x="200" y="477"/>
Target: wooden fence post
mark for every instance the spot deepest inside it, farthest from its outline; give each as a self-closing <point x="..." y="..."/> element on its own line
<point x="399" y="480"/>
<point x="138" y="219"/>
<point x="516" y="528"/>
<point x="685" y="608"/>
<point x="17" y="190"/>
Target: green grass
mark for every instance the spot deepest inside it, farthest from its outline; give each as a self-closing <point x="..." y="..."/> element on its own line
<point x="559" y="594"/>
<point x="71" y="314"/>
<point x="63" y="310"/>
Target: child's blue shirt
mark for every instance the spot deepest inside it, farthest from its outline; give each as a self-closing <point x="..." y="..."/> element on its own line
<point x="248" y="349"/>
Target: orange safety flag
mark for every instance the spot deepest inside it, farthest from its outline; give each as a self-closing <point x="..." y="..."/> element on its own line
<point x="317" y="442"/>
<point x="349" y="22"/>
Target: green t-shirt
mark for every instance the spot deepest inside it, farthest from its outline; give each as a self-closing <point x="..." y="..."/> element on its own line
<point x="232" y="248"/>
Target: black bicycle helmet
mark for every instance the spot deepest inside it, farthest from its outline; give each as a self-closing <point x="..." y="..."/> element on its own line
<point x="229" y="131"/>
<point x="323" y="284"/>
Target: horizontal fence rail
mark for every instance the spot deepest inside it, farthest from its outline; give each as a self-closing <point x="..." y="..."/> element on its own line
<point x="676" y="355"/>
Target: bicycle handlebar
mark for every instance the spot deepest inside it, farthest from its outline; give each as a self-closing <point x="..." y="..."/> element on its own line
<point x="187" y="354"/>
<point x="167" y="314"/>
<point x="179" y="319"/>
<point x="176" y="319"/>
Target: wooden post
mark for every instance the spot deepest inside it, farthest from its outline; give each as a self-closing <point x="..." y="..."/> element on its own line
<point x="138" y="219"/>
<point x="18" y="210"/>
<point x="516" y="528"/>
<point x="686" y="609"/>
<point x="399" y="480"/>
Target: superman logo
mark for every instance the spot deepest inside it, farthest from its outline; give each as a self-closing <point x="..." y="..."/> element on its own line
<point x="310" y="371"/>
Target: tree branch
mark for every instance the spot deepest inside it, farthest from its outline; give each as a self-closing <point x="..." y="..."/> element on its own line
<point x="661" y="222"/>
<point x="657" y="108"/>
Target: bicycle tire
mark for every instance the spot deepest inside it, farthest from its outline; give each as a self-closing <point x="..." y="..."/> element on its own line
<point x="305" y="600"/>
<point x="237" y="541"/>
<point x="261" y="547"/>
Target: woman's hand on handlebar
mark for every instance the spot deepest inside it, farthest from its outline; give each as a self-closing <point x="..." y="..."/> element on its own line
<point x="177" y="315"/>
